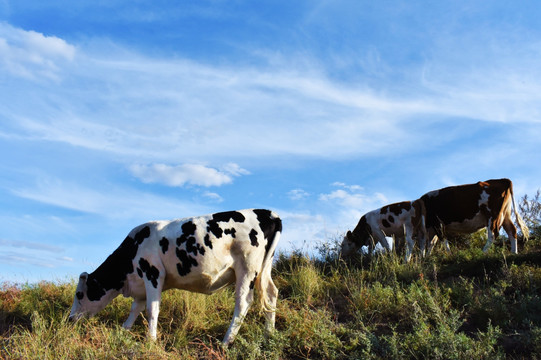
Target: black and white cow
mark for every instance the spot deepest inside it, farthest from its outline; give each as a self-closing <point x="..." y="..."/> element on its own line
<point x="402" y="220"/>
<point x="201" y="254"/>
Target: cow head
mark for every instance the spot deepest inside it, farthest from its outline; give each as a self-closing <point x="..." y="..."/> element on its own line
<point x="350" y="245"/>
<point x="82" y="305"/>
<point x="354" y="240"/>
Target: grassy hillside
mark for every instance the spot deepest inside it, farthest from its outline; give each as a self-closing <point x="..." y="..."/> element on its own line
<point x="466" y="305"/>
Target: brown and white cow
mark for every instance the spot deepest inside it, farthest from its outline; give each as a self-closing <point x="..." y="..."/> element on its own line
<point x="465" y="209"/>
<point x="400" y="220"/>
<point x="201" y="254"/>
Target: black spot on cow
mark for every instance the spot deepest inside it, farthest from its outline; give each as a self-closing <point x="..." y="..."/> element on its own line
<point x="214" y="228"/>
<point x="111" y="274"/>
<point x="164" y="243"/>
<point x="385" y="223"/>
<point x="396" y="208"/>
<point x="94" y="289"/>
<point x="190" y="246"/>
<point x="207" y="241"/>
<point x="231" y="232"/>
<point x="188" y="228"/>
<point x="269" y="225"/>
<point x="80" y="295"/>
<point x="187" y="238"/>
<point x="140" y="273"/>
<point x="252" y="283"/>
<point x="142" y="235"/>
<point x="253" y="237"/>
<point x="229" y="215"/>
<point x="391" y="219"/>
<point x="186" y="262"/>
<point x="193" y="247"/>
<point x="188" y="231"/>
<point x="150" y="271"/>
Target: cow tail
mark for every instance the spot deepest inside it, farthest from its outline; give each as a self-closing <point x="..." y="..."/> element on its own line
<point x="264" y="279"/>
<point x="520" y="221"/>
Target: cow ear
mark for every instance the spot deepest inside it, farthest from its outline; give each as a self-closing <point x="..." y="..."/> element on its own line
<point x="348" y="235"/>
<point x="83" y="276"/>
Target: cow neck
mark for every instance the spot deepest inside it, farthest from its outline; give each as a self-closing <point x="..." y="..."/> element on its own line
<point x="113" y="272"/>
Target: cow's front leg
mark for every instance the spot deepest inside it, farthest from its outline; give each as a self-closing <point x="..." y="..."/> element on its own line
<point x="380" y="237"/>
<point x="136" y="308"/>
<point x="153" y="310"/>
<point x="408" y="232"/>
<point x="153" y="290"/>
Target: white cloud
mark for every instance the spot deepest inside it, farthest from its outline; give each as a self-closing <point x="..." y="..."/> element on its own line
<point x="351" y="196"/>
<point x="181" y="175"/>
<point x="30" y="54"/>
<point x="302" y="231"/>
<point x="111" y="203"/>
<point x="20" y="253"/>
<point x="162" y="110"/>
<point x="30" y="245"/>
<point x="331" y="215"/>
<point x="298" y="194"/>
<point x="213" y="196"/>
<point x="234" y="169"/>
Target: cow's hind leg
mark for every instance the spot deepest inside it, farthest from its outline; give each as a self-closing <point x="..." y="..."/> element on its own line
<point x="511" y="231"/>
<point x="408" y="236"/>
<point x="244" y="295"/>
<point x="136" y="308"/>
<point x="268" y="295"/>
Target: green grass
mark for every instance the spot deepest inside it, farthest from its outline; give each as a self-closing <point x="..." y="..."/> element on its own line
<point x="463" y="305"/>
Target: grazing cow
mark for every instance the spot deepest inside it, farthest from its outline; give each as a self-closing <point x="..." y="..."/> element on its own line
<point x="201" y="254"/>
<point x="468" y="208"/>
<point x="401" y="220"/>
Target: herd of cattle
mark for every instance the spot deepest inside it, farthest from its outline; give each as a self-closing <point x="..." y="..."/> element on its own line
<point x="206" y="253"/>
<point x="453" y="210"/>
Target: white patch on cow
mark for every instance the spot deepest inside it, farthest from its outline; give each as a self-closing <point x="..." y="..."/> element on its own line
<point x="379" y="248"/>
<point x="484" y="199"/>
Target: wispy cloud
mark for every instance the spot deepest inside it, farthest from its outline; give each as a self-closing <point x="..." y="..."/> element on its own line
<point x="32" y="55"/>
<point x="19" y="253"/>
<point x="211" y="114"/>
<point x="21" y="259"/>
<point x="353" y="197"/>
<point x="331" y="214"/>
<point x="297" y="194"/>
<point x="213" y="196"/>
<point x="30" y="245"/>
<point x="112" y="202"/>
<point x="180" y="175"/>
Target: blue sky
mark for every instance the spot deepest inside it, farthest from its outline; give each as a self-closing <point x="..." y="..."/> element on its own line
<point x="114" y="113"/>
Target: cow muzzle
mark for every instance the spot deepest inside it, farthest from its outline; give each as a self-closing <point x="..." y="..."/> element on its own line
<point x="76" y="317"/>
